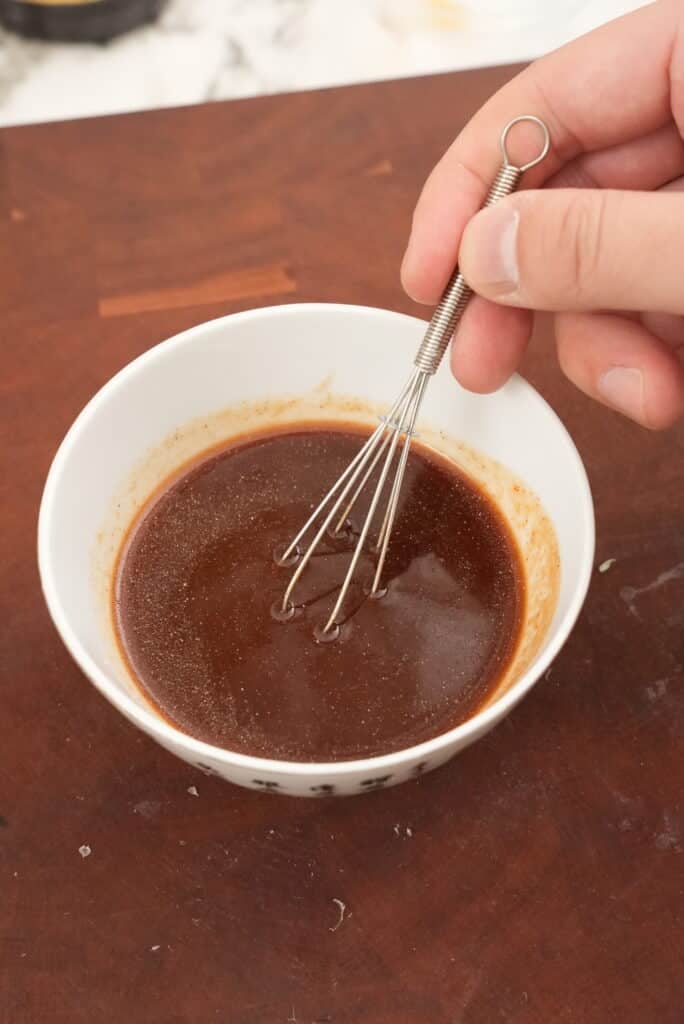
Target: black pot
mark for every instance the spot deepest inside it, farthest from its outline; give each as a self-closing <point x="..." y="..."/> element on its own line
<point x="91" y="21"/>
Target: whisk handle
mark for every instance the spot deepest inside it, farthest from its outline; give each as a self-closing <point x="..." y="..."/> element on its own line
<point x="457" y="293"/>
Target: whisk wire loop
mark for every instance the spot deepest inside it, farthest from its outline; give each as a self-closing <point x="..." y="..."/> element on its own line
<point x="406" y="414"/>
<point x="390" y="514"/>
<point x="345" y="482"/>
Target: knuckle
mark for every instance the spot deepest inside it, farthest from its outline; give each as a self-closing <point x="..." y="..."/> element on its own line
<point x="580" y="238"/>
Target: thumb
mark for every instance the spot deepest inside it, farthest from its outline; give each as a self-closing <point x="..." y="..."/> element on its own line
<point x="579" y="249"/>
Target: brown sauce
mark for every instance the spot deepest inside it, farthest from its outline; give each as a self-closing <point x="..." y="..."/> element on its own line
<point x="196" y="583"/>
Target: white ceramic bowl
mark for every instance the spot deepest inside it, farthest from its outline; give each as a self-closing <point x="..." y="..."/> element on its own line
<point x="280" y="364"/>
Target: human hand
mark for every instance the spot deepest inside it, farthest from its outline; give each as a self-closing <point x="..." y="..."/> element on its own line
<point x="602" y="245"/>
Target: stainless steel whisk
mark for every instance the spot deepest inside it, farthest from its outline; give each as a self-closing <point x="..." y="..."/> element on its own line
<point x="399" y="421"/>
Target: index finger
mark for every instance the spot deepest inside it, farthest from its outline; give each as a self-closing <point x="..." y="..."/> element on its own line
<point x="613" y="85"/>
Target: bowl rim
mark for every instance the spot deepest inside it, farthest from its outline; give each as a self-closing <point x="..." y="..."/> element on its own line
<point x="197" y="749"/>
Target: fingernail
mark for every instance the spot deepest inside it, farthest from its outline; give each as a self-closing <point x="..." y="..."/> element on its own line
<point x="622" y="387"/>
<point x="489" y="254"/>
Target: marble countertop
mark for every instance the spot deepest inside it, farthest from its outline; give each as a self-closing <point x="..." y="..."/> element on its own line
<point x="221" y="49"/>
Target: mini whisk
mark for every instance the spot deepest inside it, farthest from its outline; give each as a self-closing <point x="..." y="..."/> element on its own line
<point x="399" y="422"/>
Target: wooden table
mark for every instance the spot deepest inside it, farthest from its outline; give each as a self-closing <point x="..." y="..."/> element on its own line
<point x="538" y="878"/>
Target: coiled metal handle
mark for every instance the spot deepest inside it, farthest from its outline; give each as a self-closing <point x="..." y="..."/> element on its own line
<point x="457" y="293"/>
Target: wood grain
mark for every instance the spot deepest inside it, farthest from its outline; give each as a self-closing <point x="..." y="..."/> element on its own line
<point x="538" y="877"/>
<point x="230" y="286"/>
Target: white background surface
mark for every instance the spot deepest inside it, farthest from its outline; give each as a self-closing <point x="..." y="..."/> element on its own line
<point x="219" y="49"/>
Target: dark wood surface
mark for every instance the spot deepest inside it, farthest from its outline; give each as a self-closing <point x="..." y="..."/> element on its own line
<point x="539" y="877"/>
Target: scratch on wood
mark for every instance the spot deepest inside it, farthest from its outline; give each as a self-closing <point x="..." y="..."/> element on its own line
<point x="675" y="573"/>
<point x="657" y="689"/>
<point x="342" y="908"/>
<point x="630" y="594"/>
<point x="669" y="838"/>
<point x="383" y="167"/>
<point x="245" y="283"/>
